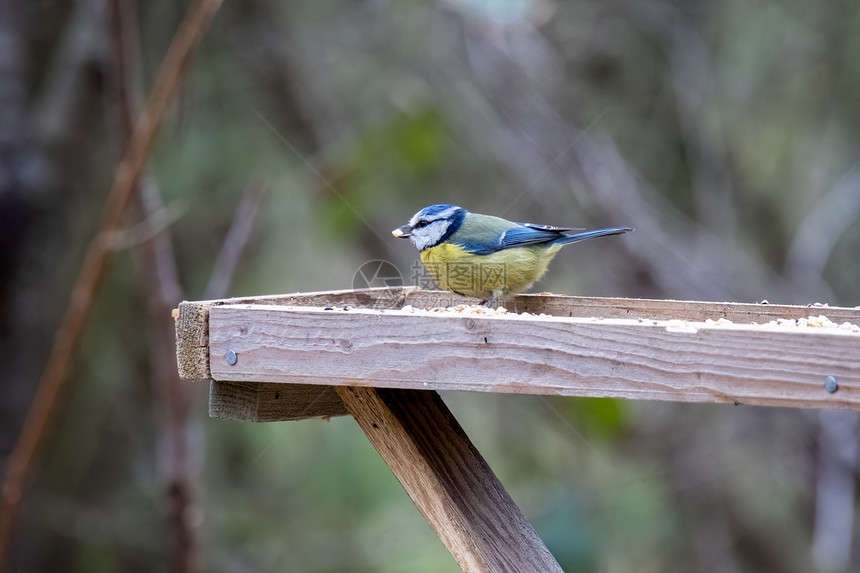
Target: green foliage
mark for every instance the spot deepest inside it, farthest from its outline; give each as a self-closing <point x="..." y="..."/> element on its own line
<point x="386" y="160"/>
<point x="600" y="418"/>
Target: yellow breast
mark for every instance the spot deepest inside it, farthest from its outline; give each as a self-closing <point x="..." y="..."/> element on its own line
<point x="484" y="276"/>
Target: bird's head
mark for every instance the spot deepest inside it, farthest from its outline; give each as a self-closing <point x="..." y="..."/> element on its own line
<point x="432" y="225"/>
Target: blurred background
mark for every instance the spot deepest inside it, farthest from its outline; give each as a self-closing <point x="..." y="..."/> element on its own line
<point x="726" y="132"/>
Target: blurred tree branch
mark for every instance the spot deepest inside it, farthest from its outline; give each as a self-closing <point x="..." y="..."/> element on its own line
<point x="14" y="203"/>
<point x="179" y="449"/>
<point x="53" y="164"/>
<point x="237" y="238"/>
<point x="834" y="496"/>
<point x="57" y="112"/>
<point x="693" y="83"/>
<point x="70" y="332"/>
<point x="684" y="257"/>
<point x="701" y="258"/>
<point x="161" y="290"/>
<point x="16" y="209"/>
<point x="818" y="232"/>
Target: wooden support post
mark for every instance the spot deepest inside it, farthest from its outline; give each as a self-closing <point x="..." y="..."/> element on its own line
<point x="448" y="480"/>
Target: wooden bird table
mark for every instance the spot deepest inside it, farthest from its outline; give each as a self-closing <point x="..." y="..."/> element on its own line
<point x="360" y="352"/>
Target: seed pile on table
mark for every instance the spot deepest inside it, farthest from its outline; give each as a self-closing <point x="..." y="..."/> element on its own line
<point x="820" y="321"/>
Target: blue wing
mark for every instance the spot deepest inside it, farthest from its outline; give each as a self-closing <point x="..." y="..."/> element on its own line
<point x="528" y="234"/>
<point x="484" y="235"/>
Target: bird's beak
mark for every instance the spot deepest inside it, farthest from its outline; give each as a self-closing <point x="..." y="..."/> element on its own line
<point x="402" y="232"/>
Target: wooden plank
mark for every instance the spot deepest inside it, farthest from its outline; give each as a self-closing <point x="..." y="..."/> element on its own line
<point x="653" y="309"/>
<point x="267" y="402"/>
<point x="192" y="318"/>
<point x="621" y="358"/>
<point x="259" y="404"/>
<point x="379" y="298"/>
<point x="448" y="480"/>
<point x="553" y="304"/>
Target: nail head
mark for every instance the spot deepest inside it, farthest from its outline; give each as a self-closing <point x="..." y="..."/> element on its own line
<point x="831" y="384"/>
<point x="231" y="357"/>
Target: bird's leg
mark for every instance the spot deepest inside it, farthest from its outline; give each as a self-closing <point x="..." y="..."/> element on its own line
<point x="497" y="297"/>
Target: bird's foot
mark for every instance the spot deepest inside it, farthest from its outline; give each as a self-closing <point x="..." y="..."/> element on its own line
<point x="497" y="299"/>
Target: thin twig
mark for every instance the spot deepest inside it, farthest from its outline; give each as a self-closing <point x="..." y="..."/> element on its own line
<point x="120" y="43"/>
<point x="822" y="227"/>
<point x="70" y="332"/>
<point x="162" y="291"/>
<point x="237" y="237"/>
<point x="834" y="491"/>
<point x="178" y="451"/>
<point x="154" y="223"/>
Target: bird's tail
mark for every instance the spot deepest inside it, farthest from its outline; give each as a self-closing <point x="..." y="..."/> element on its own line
<point x="575" y="238"/>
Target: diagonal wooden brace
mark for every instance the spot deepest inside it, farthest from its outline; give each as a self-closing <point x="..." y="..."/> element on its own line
<point x="448" y="480"/>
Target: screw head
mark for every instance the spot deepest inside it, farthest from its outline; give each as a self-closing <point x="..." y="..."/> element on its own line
<point x="831" y="384"/>
<point x="230" y="357"/>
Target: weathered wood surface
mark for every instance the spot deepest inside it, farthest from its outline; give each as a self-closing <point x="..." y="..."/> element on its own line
<point x="448" y="480"/>
<point x="553" y="304"/>
<point x="247" y="403"/>
<point x="267" y="402"/>
<point x="192" y="341"/>
<point x="192" y="319"/>
<point x="193" y="323"/>
<point x="622" y="358"/>
<point x="193" y="329"/>
<point x="654" y="309"/>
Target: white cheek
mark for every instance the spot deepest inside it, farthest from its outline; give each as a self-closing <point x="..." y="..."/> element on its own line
<point x="429" y="235"/>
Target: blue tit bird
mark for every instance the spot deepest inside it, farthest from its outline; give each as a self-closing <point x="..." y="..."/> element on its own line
<point x="483" y="256"/>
